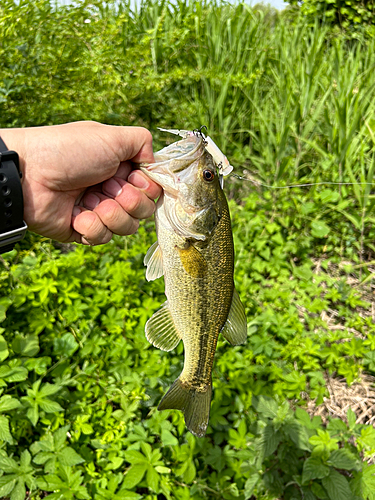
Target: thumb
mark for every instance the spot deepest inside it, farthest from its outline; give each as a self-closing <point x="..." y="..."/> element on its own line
<point x="135" y="144"/>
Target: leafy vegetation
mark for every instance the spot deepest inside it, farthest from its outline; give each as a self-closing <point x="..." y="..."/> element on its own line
<point x="341" y="13"/>
<point x="79" y="384"/>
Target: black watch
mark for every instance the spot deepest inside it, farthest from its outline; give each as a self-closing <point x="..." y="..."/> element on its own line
<point x="12" y="225"/>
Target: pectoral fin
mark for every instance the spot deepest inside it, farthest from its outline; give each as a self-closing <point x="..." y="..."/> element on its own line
<point x="161" y="331"/>
<point x="154" y="262"/>
<point x="235" y="328"/>
<point x="193" y="261"/>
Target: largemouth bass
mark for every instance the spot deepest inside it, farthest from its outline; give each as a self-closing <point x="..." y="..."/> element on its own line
<point x="194" y="251"/>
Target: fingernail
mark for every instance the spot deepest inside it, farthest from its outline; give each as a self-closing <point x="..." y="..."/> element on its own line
<point x="138" y="180"/>
<point x="86" y="242"/>
<point x="91" y="201"/>
<point x="112" y="188"/>
<point x="76" y="211"/>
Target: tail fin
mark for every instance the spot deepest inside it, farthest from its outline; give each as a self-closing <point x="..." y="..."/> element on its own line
<point x="195" y="405"/>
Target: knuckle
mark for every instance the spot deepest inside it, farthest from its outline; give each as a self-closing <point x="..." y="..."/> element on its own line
<point x="116" y="219"/>
<point x="112" y="213"/>
<point x="151" y="210"/>
<point x="146" y="134"/>
<point x="92" y="123"/>
<point x="91" y="229"/>
<point x="133" y="226"/>
<point x="93" y="223"/>
<point x="95" y="230"/>
<point x="134" y="201"/>
<point x="107" y="237"/>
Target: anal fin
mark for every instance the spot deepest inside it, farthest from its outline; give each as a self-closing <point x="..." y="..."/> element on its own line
<point x="235" y="328"/>
<point x="161" y="331"/>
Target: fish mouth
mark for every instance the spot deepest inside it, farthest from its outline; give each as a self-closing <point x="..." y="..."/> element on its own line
<point x="160" y="177"/>
<point x="174" y="164"/>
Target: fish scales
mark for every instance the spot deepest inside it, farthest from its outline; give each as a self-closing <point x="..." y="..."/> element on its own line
<point x="200" y="306"/>
<point x="195" y="253"/>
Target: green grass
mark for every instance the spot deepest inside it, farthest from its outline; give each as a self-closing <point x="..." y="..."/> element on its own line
<point x="288" y="104"/>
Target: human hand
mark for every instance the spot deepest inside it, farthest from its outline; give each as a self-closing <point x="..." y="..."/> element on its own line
<point x="78" y="183"/>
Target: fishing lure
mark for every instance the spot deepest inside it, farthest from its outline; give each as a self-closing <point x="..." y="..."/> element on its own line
<point x="221" y="161"/>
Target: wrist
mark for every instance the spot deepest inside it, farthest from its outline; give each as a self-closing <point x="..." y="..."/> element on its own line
<point x="14" y="141"/>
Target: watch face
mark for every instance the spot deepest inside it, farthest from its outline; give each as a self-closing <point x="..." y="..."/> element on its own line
<point x="12" y="225"/>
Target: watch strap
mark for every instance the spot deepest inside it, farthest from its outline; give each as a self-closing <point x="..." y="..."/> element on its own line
<point x="12" y="225"/>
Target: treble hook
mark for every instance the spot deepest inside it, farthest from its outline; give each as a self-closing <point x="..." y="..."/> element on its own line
<point x="198" y="131"/>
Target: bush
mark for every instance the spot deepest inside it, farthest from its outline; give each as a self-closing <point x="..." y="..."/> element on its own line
<point x="342" y="13"/>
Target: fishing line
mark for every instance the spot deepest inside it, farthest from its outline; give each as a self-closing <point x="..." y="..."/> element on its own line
<point x="328" y="183"/>
<point x="225" y="169"/>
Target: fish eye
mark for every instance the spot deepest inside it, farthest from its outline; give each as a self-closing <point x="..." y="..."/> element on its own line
<point x="208" y="175"/>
